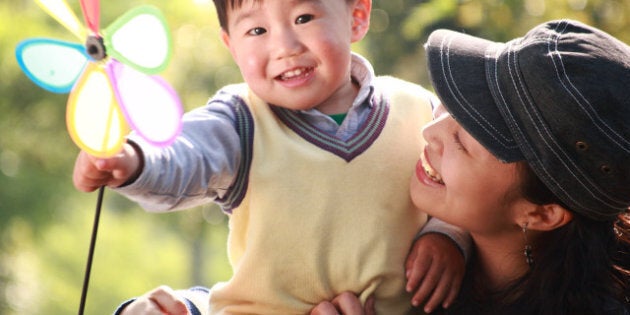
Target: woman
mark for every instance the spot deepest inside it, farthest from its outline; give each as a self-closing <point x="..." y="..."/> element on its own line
<point x="530" y="152"/>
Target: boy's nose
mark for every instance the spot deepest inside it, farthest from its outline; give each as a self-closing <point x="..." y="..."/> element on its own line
<point x="286" y="43"/>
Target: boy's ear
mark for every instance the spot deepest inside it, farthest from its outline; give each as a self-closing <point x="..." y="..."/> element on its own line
<point x="225" y="38"/>
<point x="361" y="19"/>
<point x="548" y="217"/>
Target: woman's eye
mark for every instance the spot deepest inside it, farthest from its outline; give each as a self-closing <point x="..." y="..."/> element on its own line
<point x="257" y="31"/>
<point x="458" y="142"/>
<point x="305" y="18"/>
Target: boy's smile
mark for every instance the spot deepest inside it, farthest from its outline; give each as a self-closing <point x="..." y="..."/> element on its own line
<point x="296" y="77"/>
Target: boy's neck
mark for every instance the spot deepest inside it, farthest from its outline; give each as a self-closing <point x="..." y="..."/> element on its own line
<point x="340" y="101"/>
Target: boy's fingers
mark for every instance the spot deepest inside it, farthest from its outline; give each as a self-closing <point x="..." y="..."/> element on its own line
<point x="86" y="177"/>
<point x="429" y="284"/>
<point x="452" y="294"/>
<point x="124" y="165"/>
<point x="411" y="258"/>
<point x="418" y="272"/>
<point x="439" y="295"/>
<point x="91" y="172"/>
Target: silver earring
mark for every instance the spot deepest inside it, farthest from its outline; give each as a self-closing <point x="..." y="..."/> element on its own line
<point x="528" y="248"/>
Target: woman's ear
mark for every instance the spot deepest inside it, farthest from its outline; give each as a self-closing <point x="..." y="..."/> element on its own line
<point x="361" y="19"/>
<point x="548" y="217"/>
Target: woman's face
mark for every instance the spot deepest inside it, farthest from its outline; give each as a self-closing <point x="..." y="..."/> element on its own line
<point x="458" y="181"/>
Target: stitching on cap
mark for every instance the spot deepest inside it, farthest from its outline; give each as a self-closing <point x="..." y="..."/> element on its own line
<point x="526" y="102"/>
<point x="554" y="52"/>
<point x="525" y="143"/>
<point x="556" y="149"/>
<point x="590" y="112"/>
<point x="462" y="101"/>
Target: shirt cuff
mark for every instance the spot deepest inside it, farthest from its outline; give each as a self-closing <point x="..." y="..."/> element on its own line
<point x="460" y="237"/>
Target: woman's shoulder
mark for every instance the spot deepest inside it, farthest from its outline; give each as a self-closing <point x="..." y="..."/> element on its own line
<point x="616" y="307"/>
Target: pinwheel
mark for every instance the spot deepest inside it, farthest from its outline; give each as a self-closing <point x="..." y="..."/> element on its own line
<point x="111" y="80"/>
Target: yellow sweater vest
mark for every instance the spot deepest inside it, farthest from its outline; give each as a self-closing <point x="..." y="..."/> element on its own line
<point x="315" y="222"/>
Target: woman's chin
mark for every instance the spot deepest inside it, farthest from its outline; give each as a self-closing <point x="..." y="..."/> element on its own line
<point x="420" y="194"/>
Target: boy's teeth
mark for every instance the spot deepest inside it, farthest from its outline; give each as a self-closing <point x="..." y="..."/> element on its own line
<point x="292" y="73"/>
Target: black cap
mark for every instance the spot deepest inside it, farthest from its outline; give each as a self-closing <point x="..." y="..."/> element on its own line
<point x="559" y="98"/>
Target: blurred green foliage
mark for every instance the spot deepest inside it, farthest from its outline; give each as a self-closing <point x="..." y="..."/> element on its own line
<point x="45" y="224"/>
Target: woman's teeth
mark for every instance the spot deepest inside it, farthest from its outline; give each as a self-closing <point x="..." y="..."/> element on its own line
<point x="433" y="175"/>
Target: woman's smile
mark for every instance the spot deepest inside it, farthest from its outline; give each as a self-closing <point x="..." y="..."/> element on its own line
<point x="426" y="173"/>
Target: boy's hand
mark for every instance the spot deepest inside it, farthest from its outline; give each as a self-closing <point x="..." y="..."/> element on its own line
<point x="435" y="266"/>
<point x="160" y="301"/>
<point x="91" y="173"/>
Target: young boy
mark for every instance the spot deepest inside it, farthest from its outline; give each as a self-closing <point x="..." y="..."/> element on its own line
<point x="310" y="157"/>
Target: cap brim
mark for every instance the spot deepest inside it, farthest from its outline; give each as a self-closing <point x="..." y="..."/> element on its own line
<point x="457" y="65"/>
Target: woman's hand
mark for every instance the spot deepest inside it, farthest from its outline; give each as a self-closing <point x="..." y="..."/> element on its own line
<point x="160" y="301"/>
<point x="346" y="303"/>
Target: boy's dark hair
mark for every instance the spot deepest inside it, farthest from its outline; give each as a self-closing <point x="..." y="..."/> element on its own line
<point x="222" y="7"/>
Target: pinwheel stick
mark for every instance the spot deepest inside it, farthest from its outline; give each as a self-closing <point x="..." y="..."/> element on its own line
<point x="88" y="267"/>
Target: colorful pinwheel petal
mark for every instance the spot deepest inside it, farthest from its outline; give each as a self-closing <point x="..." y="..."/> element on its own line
<point x="112" y="79"/>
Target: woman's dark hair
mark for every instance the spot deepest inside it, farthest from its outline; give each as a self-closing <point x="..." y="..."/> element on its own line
<point x="580" y="268"/>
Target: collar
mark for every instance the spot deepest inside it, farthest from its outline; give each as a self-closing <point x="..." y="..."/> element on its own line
<point x="362" y="73"/>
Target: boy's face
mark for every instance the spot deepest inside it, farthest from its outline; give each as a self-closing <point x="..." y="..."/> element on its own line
<point x="296" y="53"/>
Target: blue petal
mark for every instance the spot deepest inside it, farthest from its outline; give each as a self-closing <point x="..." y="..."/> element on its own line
<point x="52" y="64"/>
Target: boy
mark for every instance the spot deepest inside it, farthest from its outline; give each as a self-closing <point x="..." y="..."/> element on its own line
<point x="316" y="207"/>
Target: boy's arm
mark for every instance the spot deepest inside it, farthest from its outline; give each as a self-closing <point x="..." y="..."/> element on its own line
<point x="436" y="264"/>
<point x="460" y="237"/>
<point x="199" y="167"/>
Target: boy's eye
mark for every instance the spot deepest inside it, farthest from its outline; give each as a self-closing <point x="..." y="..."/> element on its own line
<point x="305" y="18"/>
<point x="257" y="31"/>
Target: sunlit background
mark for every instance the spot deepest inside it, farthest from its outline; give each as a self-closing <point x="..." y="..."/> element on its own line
<point x="45" y="224"/>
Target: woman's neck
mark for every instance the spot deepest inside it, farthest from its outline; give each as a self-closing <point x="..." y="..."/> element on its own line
<point x="500" y="261"/>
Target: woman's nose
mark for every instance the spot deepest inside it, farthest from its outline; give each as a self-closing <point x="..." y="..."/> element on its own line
<point x="432" y="132"/>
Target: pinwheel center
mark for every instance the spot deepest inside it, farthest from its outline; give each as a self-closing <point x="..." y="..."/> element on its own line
<point x="95" y="47"/>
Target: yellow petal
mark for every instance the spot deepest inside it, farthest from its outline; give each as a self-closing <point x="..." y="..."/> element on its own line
<point x="94" y="120"/>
